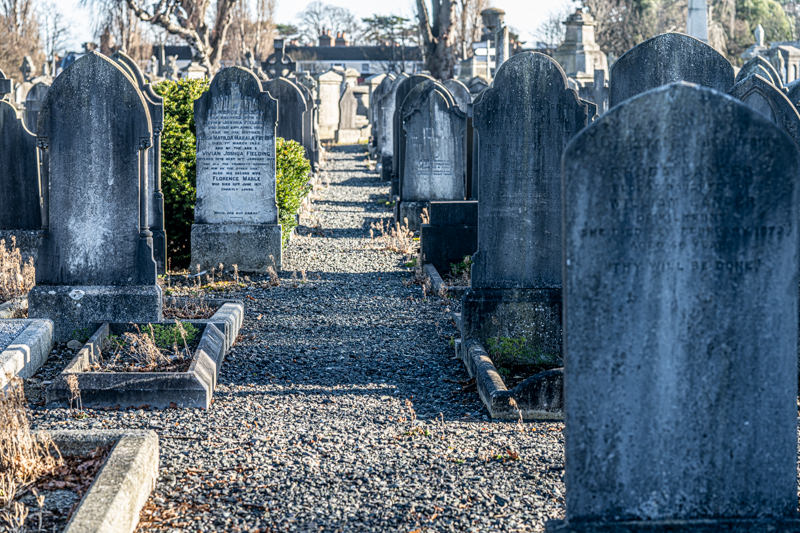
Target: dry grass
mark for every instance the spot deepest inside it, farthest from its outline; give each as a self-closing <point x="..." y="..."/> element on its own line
<point x="190" y="309"/>
<point x="142" y="349"/>
<point x="394" y="237"/>
<point x="17" y="277"/>
<point x="24" y="456"/>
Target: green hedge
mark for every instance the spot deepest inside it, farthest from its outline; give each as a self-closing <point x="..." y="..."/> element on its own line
<point x="179" y="170"/>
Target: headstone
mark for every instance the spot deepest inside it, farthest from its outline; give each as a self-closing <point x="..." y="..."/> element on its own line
<point x="387" y="128"/>
<point x="311" y="93"/>
<point x="762" y="96"/>
<point x="309" y="125"/>
<point x="460" y="94"/>
<point x="353" y="122"/>
<point x="680" y="333"/>
<point x="524" y="122"/>
<point x="760" y="66"/>
<point x="155" y="106"/>
<point x="477" y="85"/>
<point x="6" y="85"/>
<point x="664" y="59"/>
<point x="33" y="104"/>
<point x="96" y="261"/>
<point x="435" y="145"/>
<point x="291" y="108"/>
<point x="351" y="76"/>
<point x="376" y="109"/>
<point x="398" y="157"/>
<point x="20" y="203"/>
<point x="236" y="214"/>
<point x="330" y="86"/>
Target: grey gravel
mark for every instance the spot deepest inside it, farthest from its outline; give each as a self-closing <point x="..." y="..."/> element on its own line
<point x="9" y="330"/>
<point x="341" y="406"/>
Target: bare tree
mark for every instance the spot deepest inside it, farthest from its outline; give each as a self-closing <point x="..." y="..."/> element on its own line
<point x="197" y="22"/>
<point x="319" y="16"/>
<point x="550" y="33"/>
<point x="252" y="31"/>
<point x="437" y="30"/>
<point x="118" y="28"/>
<point x="54" y="31"/>
<point x="19" y="27"/>
<point x="469" y="25"/>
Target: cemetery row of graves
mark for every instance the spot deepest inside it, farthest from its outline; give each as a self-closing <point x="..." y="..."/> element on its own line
<point x="633" y="272"/>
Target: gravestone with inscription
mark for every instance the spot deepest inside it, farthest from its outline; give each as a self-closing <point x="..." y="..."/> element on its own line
<point x="398" y="153"/>
<point x="236" y="214"/>
<point x="21" y="201"/>
<point x="292" y="106"/>
<point x="155" y="105"/>
<point x="524" y="120"/>
<point x="664" y="59"/>
<point x="330" y="90"/>
<point x="96" y="260"/>
<point x="435" y="167"/>
<point x="680" y="333"/>
<point x="387" y="128"/>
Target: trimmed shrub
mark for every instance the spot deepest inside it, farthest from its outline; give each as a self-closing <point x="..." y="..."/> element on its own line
<point x="178" y="164"/>
<point x="293" y="170"/>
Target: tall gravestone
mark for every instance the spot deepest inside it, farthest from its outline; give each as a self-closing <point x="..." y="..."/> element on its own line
<point x="292" y="106"/>
<point x="435" y="168"/>
<point x="460" y="94"/>
<point x="353" y="115"/>
<point x="306" y="83"/>
<point x="377" y="109"/>
<point x="236" y="214"/>
<point x="398" y="157"/>
<point x="387" y="128"/>
<point x="762" y="96"/>
<point x="155" y="105"/>
<point x="330" y="89"/>
<point x="96" y="260"/>
<point x="20" y="201"/>
<point x="308" y="124"/>
<point x="680" y="333"/>
<point x="524" y="120"/>
<point x="664" y="59"/>
<point x="463" y="98"/>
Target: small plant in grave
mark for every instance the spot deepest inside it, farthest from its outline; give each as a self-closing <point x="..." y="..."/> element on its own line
<point x="17" y="277"/>
<point x="516" y="355"/>
<point x="153" y="348"/>
<point x="460" y="272"/>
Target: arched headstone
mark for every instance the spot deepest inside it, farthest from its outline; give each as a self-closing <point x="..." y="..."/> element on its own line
<point x="460" y="94"/>
<point x="760" y="66"/>
<point x="398" y="157"/>
<point x="20" y="202"/>
<point x="291" y="108"/>
<point x="762" y="96"/>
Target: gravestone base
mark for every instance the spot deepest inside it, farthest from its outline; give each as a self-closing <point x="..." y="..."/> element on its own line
<point x="386" y="168"/>
<point x="451" y="234"/>
<point x="411" y="211"/>
<point x="27" y="241"/>
<point x="742" y="525"/>
<point x="252" y="247"/>
<point x="532" y="314"/>
<point x="73" y="308"/>
<point x="352" y="136"/>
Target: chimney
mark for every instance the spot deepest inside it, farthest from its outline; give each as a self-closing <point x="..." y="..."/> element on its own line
<point x="325" y="38"/>
<point x="341" y="39"/>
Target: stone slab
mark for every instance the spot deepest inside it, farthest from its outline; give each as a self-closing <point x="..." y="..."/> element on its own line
<point x="451" y="235"/>
<point x="123" y="484"/>
<point x="23" y="356"/>
<point x="73" y="308"/>
<point x="253" y="247"/>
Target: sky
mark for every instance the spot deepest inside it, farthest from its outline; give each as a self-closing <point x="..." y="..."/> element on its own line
<point x="522" y="15"/>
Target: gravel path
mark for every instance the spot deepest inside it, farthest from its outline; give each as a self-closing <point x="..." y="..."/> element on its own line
<point x="341" y="407"/>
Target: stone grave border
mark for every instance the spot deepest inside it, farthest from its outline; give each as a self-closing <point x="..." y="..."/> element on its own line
<point x="11" y="308"/>
<point x="538" y="397"/>
<point x="122" y="486"/>
<point x="159" y="390"/>
<point x="439" y="287"/>
<point x="28" y="351"/>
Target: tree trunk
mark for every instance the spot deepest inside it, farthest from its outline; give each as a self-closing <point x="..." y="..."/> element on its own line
<point x="438" y="37"/>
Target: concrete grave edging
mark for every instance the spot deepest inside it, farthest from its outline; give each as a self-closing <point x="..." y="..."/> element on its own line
<point x="122" y="486"/>
<point x="539" y="397"/>
<point x="27" y="352"/>
<point x="438" y="285"/>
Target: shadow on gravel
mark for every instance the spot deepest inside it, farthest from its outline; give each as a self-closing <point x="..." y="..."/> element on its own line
<point x="348" y="148"/>
<point x="366" y="181"/>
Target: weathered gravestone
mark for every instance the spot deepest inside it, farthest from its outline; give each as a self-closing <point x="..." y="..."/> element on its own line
<point x="664" y="59"/>
<point x="6" y="85"/>
<point x="33" y="104"/>
<point x="353" y="121"/>
<point x="308" y="124"/>
<point x="460" y="94"/>
<point x="463" y="98"/>
<point x="20" y="201"/>
<point x="308" y="85"/>
<point x="399" y="139"/>
<point x="155" y="106"/>
<point x="292" y="106"/>
<point x="330" y="89"/>
<point x="524" y="121"/>
<point x="387" y="128"/>
<point x="96" y="261"/>
<point x="477" y="85"/>
<point x="761" y="67"/>
<point x="435" y="144"/>
<point x="236" y="215"/>
<point x="680" y="333"/>
<point x="762" y="96"/>
<point x="377" y="110"/>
